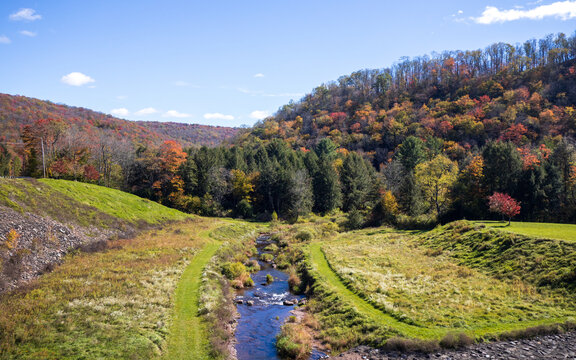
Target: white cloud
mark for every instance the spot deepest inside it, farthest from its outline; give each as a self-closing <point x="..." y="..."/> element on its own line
<point x="175" y="114"/>
<point x="28" y="33"/>
<point x="5" y="39"/>
<point x="218" y="116"/>
<point x="181" y="83"/>
<point x="120" y="112"/>
<point x="25" y="15"/>
<point x="460" y="12"/>
<point x="259" y="75"/>
<point x="76" y="79"/>
<point x="259" y="114"/>
<point x="146" y="111"/>
<point x="563" y="10"/>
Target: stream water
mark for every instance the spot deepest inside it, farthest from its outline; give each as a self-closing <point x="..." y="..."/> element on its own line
<point x="259" y="323"/>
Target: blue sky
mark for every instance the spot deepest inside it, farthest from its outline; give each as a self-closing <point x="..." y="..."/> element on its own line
<point x="232" y="62"/>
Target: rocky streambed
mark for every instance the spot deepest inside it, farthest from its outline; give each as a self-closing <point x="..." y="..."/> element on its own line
<point x="560" y="346"/>
<point x="263" y="309"/>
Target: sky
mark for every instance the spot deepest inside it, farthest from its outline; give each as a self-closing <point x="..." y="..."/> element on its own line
<point x="231" y="63"/>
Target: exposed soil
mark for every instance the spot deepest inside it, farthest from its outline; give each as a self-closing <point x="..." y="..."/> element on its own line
<point x="41" y="243"/>
<point x="562" y="346"/>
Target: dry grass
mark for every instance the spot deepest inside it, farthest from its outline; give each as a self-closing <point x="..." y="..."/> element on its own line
<point x="110" y="304"/>
<point x="428" y="289"/>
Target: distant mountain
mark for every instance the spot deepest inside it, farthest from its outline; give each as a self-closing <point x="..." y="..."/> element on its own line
<point x="191" y="134"/>
<point x="17" y="111"/>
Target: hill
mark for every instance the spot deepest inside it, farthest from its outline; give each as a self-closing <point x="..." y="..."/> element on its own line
<point x="191" y="134"/>
<point x="41" y="221"/>
<point x="500" y="119"/>
<point x="18" y="111"/>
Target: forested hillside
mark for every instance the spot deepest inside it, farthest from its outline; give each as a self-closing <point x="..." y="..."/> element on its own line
<point x="501" y="119"/>
<point x="429" y="139"/>
<point x="190" y="134"/>
<point x="82" y="144"/>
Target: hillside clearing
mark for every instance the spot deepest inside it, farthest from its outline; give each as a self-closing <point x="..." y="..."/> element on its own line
<point x="542" y="230"/>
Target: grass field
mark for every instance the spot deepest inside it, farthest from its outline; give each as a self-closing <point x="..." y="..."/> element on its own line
<point x="397" y="284"/>
<point x="83" y="204"/>
<point x="542" y="230"/>
<point x="431" y="291"/>
<point x="116" y="203"/>
<point x="117" y="304"/>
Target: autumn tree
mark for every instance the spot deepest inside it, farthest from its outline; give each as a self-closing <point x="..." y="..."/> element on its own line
<point x="436" y="178"/>
<point x="504" y="205"/>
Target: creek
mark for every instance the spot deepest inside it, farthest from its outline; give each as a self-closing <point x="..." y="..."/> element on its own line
<point x="260" y="322"/>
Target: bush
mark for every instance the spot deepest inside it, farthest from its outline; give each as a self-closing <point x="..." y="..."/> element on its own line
<point x="420" y="222"/>
<point x="232" y="270"/>
<point x="411" y="345"/>
<point x="456" y="341"/>
<point x="266" y="257"/>
<point x="269" y="278"/>
<point x="304" y="235"/>
<point x="244" y="209"/>
<point x="355" y="220"/>
<point x="294" y="342"/>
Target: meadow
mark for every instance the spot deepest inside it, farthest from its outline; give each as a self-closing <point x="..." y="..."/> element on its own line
<point x="543" y="230"/>
<point x="118" y="303"/>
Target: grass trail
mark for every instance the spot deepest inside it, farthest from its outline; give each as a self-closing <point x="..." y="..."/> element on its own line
<point x="188" y="339"/>
<point x="542" y="230"/>
<point x="325" y="271"/>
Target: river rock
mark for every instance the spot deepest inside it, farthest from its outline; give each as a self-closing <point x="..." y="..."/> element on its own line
<point x="289" y="302"/>
<point x="250" y="303"/>
<point x="239" y="301"/>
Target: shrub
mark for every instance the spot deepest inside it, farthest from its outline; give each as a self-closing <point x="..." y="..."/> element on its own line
<point x="304" y="235"/>
<point x="266" y="257"/>
<point x="294" y="281"/>
<point x="244" y="209"/>
<point x="294" y="342"/>
<point x="355" y="220"/>
<point x="411" y="345"/>
<point x="269" y="278"/>
<point x="420" y="222"/>
<point x="456" y="341"/>
<point x="12" y="239"/>
<point x="271" y="248"/>
<point x="232" y="270"/>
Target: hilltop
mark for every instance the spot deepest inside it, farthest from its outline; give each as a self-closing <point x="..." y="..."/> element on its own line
<point x="41" y="221"/>
<point x="17" y="111"/>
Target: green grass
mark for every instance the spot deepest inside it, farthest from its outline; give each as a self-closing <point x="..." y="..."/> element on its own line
<point x="321" y="265"/>
<point x="371" y="285"/>
<point x="188" y="338"/>
<point x="135" y="300"/>
<point x="116" y="203"/>
<point x="428" y="289"/>
<point x="545" y="263"/>
<point x="83" y="204"/>
<point x="541" y="230"/>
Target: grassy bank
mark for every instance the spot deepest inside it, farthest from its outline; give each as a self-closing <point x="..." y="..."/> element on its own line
<point x="377" y="284"/>
<point x="540" y="230"/>
<point x="545" y="263"/>
<point x="113" y="304"/>
<point x="72" y="202"/>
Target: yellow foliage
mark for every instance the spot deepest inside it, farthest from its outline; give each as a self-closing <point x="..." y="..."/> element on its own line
<point x="12" y="239"/>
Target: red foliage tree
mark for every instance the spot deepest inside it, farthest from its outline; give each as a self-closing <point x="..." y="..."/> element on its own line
<point x="90" y="173"/>
<point x="504" y="204"/>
